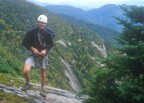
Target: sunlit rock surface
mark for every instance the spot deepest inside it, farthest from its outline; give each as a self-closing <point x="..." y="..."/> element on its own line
<point x="54" y="95"/>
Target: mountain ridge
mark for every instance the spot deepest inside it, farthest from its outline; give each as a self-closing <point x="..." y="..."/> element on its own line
<point x="103" y="16"/>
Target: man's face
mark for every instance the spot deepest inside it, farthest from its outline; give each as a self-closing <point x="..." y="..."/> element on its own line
<point x="41" y="25"/>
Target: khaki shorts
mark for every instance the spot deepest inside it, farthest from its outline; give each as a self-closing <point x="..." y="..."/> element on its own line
<point x="36" y="61"/>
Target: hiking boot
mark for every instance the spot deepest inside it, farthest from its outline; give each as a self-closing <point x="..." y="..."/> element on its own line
<point x="26" y="87"/>
<point x="42" y="93"/>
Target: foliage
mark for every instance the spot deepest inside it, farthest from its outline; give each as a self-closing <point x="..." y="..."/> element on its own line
<point x="122" y="80"/>
<point x="13" y="81"/>
<point x="8" y="63"/>
<point x="11" y="98"/>
<point x="107" y="34"/>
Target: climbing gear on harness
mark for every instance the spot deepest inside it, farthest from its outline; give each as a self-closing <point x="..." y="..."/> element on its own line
<point x="41" y="41"/>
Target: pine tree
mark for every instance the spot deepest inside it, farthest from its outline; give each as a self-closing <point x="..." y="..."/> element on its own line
<point x="122" y="80"/>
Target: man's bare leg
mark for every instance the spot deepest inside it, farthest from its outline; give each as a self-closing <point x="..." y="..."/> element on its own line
<point x="27" y="68"/>
<point x="43" y="80"/>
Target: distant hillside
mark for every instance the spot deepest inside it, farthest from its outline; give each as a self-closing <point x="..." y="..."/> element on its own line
<point x="77" y="13"/>
<point x="103" y="16"/>
<point x="107" y="34"/>
<point x="68" y="10"/>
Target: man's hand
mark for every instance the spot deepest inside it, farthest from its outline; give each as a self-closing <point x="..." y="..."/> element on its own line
<point x="35" y="51"/>
<point x="43" y="53"/>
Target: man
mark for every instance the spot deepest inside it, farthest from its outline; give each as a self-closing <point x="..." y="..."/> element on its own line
<point x="38" y="41"/>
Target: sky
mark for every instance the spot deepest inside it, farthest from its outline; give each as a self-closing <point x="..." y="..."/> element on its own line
<point x="89" y="4"/>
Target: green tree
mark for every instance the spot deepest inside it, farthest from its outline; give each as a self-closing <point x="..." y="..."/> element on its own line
<point x="122" y="80"/>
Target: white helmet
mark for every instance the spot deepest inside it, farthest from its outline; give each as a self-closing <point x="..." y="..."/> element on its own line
<point x="42" y="18"/>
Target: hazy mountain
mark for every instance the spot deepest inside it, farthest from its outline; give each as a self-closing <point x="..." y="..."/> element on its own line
<point x="103" y="16"/>
<point x="38" y="3"/>
<point x="68" y="10"/>
<point x="109" y="35"/>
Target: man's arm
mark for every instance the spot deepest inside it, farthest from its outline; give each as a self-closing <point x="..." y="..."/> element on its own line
<point x="26" y="41"/>
<point x="51" y="43"/>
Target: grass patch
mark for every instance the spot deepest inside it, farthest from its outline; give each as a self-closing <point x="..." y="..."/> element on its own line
<point x="11" y="80"/>
<point x="12" y="98"/>
<point x="17" y="81"/>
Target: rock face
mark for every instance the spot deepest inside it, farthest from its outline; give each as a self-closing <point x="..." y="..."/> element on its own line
<point x="74" y="82"/>
<point x="54" y="95"/>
